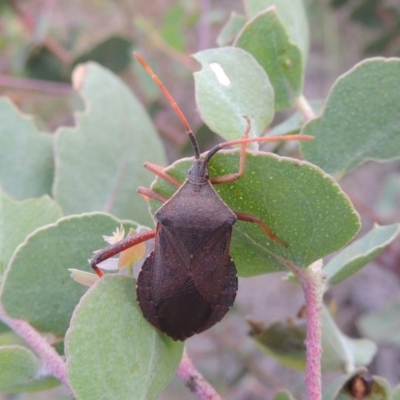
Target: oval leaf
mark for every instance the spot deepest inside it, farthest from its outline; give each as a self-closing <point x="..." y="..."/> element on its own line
<point x="20" y="371"/>
<point x="19" y="218"/>
<point x="37" y="286"/>
<point x="293" y="15"/>
<point x="26" y="156"/>
<point x="229" y="85"/>
<point x="100" y="162"/>
<point x="266" y="39"/>
<point x="360" y="119"/>
<point x="112" y="351"/>
<point x="300" y="203"/>
<point x="359" y="253"/>
<point x="231" y="29"/>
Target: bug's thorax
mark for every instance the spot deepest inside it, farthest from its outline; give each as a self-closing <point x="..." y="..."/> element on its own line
<point x="198" y="173"/>
<point x="196" y="204"/>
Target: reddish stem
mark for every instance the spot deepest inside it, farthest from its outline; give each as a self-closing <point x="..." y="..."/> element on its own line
<point x="52" y="363"/>
<point x="311" y="279"/>
<point x="189" y="375"/>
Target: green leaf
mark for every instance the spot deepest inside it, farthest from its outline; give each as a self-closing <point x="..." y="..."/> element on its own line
<point x="266" y="39"/>
<point x="113" y="53"/>
<point x="232" y="84"/>
<point x="20" y="371"/>
<point x="341" y="351"/>
<point x="43" y="64"/>
<point x="37" y="286"/>
<point x="284" y="341"/>
<point x="284" y="395"/>
<point x="339" y="383"/>
<point x="360" y="119"/>
<point x="26" y="156"/>
<point x="100" y="162"/>
<point x="379" y="387"/>
<point x="231" y="29"/>
<point x="172" y="30"/>
<point x="112" y="351"/>
<point x="19" y="218"/>
<point x="293" y="16"/>
<point x="294" y="123"/>
<point x="396" y="392"/>
<point x="300" y="203"/>
<point x="382" y="326"/>
<point x="359" y="253"/>
<point x="390" y="193"/>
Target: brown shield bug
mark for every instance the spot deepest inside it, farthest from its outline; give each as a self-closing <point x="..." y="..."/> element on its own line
<point x="189" y="282"/>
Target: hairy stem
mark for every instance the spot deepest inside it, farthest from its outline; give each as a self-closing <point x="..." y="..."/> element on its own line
<point x="189" y="375"/>
<point x="311" y="279"/>
<point x="52" y="362"/>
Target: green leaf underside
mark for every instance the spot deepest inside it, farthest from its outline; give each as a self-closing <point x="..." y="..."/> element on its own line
<point x="112" y="351"/>
<point x="383" y="325"/>
<point x="396" y="392"/>
<point x="284" y="341"/>
<point x="339" y="383"/>
<point x="20" y="371"/>
<point x="359" y="253"/>
<point x="293" y="16"/>
<point x="360" y="119"/>
<point x="299" y="203"/>
<point x="338" y="390"/>
<point x="284" y="395"/>
<point x="231" y="29"/>
<point x="37" y="286"/>
<point x="247" y="91"/>
<point x="26" y="156"/>
<point x="294" y="123"/>
<point x="340" y="351"/>
<point x="266" y="39"/>
<point x="19" y="218"/>
<point x="100" y="162"/>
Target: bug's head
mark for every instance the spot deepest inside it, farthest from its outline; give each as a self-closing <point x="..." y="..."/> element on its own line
<point x="198" y="172"/>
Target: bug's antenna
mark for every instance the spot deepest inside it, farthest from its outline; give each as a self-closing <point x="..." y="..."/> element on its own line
<point x="171" y="100"/>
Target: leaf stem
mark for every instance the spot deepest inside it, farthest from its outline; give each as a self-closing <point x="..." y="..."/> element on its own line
<point x="311" y="279"/>
<point x="192" y="378"/>
<point x="303" y="106"/>
<point x="52" y="362"/>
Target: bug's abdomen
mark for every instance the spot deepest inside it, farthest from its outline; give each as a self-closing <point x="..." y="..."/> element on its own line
<point x="182" y="314"/>
<point x="186" y="311"/>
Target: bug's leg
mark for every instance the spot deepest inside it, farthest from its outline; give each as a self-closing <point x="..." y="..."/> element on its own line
<point x="116" y="248"/>
<point x="159" y="171"/>
<point x="242" y="163"/>
<point x="243" y="141"/>
<point x="251" y="218"/>
<point x="146" y="193"/>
